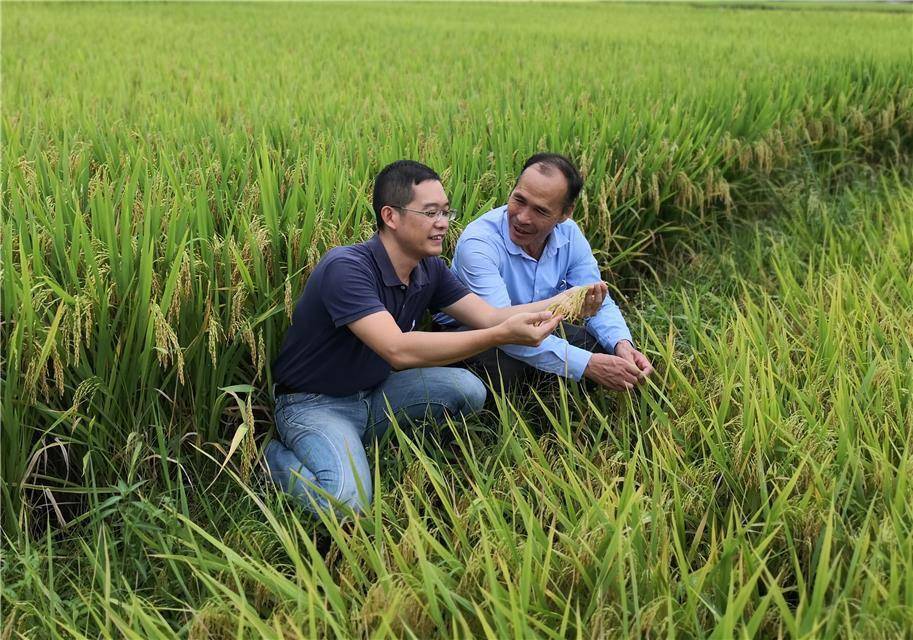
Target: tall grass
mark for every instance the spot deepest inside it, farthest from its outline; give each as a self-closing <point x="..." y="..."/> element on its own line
<point x="759" y="488"/>
<point x="171" y="174"/>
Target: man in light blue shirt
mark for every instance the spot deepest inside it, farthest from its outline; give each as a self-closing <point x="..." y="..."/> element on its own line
<point x="529" y="250"/>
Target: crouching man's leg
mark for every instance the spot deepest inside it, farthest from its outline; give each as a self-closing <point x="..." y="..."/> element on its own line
<point x="431" y="392"/>
<point x="504" y="369"/>
<point x="319" y="457"/>
<point x="580" y="337"/>
<point x="500" y="368"/>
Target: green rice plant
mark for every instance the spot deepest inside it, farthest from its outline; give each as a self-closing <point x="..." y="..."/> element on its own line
<point x="166" y="191"/>
<point x="151" y="224"/>
<point x="755" y="489"/>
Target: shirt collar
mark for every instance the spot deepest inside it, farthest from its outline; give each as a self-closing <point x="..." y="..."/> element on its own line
<point x="418" y="277"/>
<point x="556" y="239"/>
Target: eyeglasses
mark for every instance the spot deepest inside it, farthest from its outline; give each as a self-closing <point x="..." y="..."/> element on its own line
<point x="450" y="214"/>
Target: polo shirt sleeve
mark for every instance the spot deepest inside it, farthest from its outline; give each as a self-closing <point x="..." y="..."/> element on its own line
<point x="349" y="291"/>
<point x="607" y="325"/>
<point x="447" y="288"/>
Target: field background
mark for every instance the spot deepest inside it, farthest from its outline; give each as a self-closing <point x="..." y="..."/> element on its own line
<point x="171" y="173"/>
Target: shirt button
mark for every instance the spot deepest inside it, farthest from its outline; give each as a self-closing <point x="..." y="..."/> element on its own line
<point x="403" y="287"/>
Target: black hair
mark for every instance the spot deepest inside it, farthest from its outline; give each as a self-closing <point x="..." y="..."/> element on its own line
<point x="565" y="166"/>
<point x="393" y="185"/>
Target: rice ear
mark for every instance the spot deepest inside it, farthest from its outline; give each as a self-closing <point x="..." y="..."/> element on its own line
<point x="571" y="305"/>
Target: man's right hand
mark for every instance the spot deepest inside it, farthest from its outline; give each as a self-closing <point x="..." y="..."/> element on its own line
<point x="613" y="372"/>
<point x="529" y="329"/>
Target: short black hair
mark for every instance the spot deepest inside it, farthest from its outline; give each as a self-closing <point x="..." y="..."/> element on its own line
<point x="565" y="166"/>
<point x="393" y="185"/>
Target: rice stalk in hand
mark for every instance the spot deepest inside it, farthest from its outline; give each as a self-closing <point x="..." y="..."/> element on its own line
<point x="570" y="307"/>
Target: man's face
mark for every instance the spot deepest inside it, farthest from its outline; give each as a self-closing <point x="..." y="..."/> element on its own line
<point x="420" y="235"/>
<point x="535" y="207"/>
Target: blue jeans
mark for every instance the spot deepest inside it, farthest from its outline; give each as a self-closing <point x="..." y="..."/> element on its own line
<point x="320" y="455"/>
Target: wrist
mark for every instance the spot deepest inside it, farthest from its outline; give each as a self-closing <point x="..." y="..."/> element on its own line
<point x="588" y="368"/>
<point x="623" y="345"/>
<point x="498" y="334"/>
<point x="578" y="362"/>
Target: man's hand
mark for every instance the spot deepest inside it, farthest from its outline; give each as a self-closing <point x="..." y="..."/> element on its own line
<point x="595" y="295"/>
<point x="621" y="372"/>
<point x="529" y="329"/>
<point x="612" y="372"/>
<point x="579" y="302"/>
<point x="624" y="349"/>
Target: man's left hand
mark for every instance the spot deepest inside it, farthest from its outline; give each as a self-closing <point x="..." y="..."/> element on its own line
<point x="595" y="296"/>
<point x="624" y="349"/>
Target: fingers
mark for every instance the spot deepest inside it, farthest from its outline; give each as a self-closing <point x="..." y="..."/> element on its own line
<point x="643" y="365"/>
<point x="638" y="360"/>
<point x="631" y="368"/>
<point x="619" y="386"/>
<point x="627" y="373"/>
<point x="624" y="378"/>
<point x="551" y="325"/>
<point x="541" y="324"/>
<point x="641" y="361"/>
<point x="593" y="300"/>
<point x="646" y="367"/>
<point x="620" y="373"/>
<point x="599" y="291"/>
<point x="539" y="317"/>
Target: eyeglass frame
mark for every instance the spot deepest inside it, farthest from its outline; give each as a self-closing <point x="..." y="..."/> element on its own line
<point x="451" y="214"/>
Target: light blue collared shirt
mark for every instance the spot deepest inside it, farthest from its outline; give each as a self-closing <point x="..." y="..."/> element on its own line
<point x="488" y="262"/>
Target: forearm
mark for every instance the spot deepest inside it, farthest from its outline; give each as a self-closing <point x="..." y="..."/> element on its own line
<point x="609" y="326"/>
<point x="424" y="349"/>
<point x="555" y="355"/>
<point x="497" y="315"/>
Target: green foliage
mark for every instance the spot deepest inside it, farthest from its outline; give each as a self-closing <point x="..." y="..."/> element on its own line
<point x="172" y="172"/>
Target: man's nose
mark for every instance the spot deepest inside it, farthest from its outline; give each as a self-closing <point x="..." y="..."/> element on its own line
<point x="522" y="214"/>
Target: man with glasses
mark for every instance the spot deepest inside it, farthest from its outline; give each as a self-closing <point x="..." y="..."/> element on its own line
<point x="529" y="250"/>
<point x="351" y="357"/>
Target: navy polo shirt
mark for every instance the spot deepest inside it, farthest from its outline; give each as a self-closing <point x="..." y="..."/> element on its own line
<point x="319" y="353"/>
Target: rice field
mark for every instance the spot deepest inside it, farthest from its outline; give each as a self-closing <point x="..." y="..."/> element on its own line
<point x="172" y="172"/>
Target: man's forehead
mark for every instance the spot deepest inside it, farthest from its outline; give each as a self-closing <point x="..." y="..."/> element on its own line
<point x="429" y="192"/>
<point x="541" y="172"/>
<point x="550" y="185"/>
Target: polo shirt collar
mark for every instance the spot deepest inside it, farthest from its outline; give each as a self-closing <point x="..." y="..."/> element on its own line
<point x="418" y="277"/>
<point x="556" y="239"/>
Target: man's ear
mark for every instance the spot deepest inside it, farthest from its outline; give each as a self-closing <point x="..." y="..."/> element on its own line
<point x="388" y="215"/>
<point x="568" y="212"/>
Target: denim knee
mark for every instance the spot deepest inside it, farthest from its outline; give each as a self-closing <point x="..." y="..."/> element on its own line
<point x="354" y="493"/>
<point x="341" y="487"/>
<point x="473" y="392"/>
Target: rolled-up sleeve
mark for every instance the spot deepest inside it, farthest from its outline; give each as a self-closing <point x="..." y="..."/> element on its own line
<point x="476" y="263"/>
<point x="608" y="325"/>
